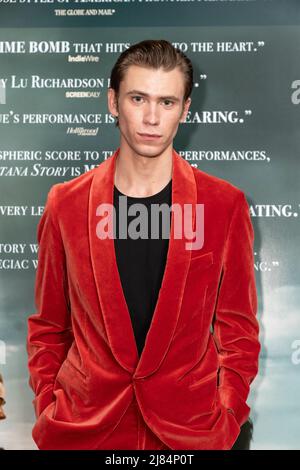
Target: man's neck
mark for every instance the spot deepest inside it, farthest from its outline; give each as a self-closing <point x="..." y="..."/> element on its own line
<point x="139" y="176"/>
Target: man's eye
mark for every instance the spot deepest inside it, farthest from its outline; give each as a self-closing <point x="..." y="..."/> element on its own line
<point x="138" y="97"/>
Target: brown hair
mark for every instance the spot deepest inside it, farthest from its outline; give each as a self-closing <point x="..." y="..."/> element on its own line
<point x="153" y="54"/>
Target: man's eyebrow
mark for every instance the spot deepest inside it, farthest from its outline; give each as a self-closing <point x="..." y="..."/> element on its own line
<point x="137" y="92"/>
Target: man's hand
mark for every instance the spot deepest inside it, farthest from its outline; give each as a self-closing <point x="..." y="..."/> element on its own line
<point x="2" y="400"/>
<point x="2" y="414"/>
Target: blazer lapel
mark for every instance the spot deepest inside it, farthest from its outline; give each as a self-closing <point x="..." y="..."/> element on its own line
<point x="109" y="288"/>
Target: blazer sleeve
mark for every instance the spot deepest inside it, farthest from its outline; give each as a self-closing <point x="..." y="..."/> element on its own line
<point x="236" y="328"/>
<point x="49" y="329"/>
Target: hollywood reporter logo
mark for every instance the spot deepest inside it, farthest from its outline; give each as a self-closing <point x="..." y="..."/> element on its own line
<point x="138" y="227"/>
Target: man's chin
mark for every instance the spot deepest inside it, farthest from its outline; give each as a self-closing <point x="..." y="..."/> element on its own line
<point x="149" y="150"/>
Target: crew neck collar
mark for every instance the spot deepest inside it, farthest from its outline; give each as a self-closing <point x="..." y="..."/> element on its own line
<point x="162" y="194"/>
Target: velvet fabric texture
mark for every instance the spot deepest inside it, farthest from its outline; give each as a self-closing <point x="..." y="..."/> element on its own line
<point x="201" y="352"/>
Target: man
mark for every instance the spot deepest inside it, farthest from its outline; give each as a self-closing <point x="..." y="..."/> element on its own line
<point x="142" y="343"/>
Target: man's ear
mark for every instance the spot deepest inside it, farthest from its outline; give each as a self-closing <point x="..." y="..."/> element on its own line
<point x="112" y="102"/>
<point x="185" y="110"/>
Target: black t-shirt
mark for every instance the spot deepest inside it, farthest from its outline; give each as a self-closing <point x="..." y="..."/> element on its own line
<point x="141" y="261"/>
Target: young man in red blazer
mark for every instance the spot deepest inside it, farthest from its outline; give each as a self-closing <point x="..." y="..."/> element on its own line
<point x="142" y="343"/>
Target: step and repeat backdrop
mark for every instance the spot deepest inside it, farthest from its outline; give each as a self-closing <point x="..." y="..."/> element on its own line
<point x="243" y="126"/>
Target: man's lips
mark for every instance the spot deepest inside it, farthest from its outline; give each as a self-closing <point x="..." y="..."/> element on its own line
<point x="149" y="136"/>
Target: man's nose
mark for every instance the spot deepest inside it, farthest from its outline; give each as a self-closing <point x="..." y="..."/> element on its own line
<point x="151" y="115"/>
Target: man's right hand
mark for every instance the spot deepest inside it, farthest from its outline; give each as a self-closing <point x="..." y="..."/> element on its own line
<point x="2" y="414"/>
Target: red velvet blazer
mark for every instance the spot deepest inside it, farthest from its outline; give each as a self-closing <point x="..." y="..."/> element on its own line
<point x="192" y="380"/>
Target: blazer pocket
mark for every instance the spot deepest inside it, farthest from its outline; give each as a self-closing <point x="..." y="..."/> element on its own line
<point x="72" y="379"/>
<point x="43" y="400"/>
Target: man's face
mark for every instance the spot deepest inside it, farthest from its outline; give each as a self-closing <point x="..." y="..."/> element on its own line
<point x="150" y="102"/>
